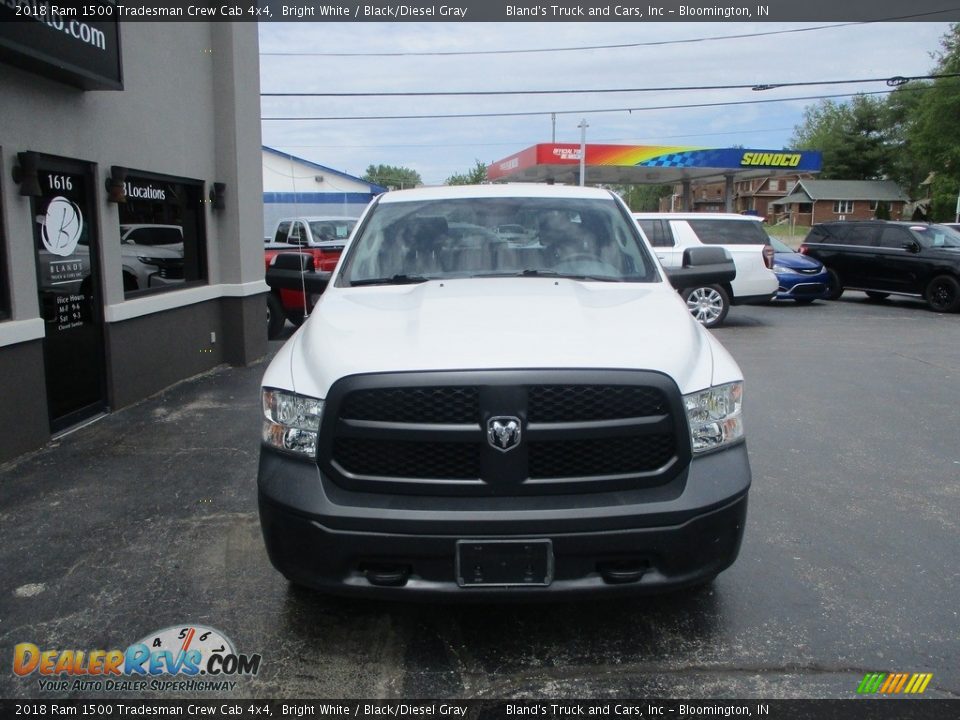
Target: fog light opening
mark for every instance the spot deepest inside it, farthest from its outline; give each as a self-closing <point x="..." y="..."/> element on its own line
<point x="386" y="575"/>
<point x="623" y="571"/>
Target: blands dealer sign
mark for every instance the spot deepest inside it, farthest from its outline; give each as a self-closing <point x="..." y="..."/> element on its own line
<point x="75" y="44"/>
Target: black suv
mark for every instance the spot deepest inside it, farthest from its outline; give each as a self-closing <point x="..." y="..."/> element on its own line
<point x="883" y="258"/>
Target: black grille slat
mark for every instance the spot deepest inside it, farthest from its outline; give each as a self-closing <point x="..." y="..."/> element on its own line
<point x="601" y="456"/>
<point x="408" y="459"/>
<point x="441" y="405"/>
<point x="581" y="403"/>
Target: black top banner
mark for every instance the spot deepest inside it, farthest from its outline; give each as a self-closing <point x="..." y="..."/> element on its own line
<point x="632" y="709"/>
<point x="69" y="16"/>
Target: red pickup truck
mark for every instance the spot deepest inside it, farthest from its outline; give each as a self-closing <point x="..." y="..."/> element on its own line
<point x="321" y="237"/>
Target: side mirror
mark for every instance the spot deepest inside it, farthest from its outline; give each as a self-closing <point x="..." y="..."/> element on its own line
<point x="301" y="262"/>
<point x="911" y="246"/>
<point x="702" y="266"/>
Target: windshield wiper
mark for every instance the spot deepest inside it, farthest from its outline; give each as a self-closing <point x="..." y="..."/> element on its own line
<point x="394" y="280"/>
<point x="531" y="272"/>
<point x="567" y="276"/>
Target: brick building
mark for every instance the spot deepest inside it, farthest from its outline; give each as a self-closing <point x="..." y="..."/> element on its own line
<point x="812" y="201"/>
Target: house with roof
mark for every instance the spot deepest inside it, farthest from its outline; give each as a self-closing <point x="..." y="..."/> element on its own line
<point x="751" y="195"/>
<point x="813" y="201"/>
<point x="295" y="186"/>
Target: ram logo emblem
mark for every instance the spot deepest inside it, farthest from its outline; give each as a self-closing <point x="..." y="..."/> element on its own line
<point x="503" y="433"/>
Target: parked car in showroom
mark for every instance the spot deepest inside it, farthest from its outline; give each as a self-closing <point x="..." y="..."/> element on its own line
<point x="883" y="257"/>
<point x="802" y="278"/>
<point x="742" y="236"/>
<point x="152" y="255"/>
<point x="472" y="419"/>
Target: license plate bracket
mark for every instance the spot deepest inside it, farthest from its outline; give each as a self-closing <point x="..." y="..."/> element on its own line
<point x="504" y="563"/>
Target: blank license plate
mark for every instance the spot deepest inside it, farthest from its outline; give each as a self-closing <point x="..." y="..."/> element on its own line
<point x="504" y="562"/>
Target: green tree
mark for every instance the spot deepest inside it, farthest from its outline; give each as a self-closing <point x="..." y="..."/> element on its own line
<point x="474" y="176"/>
<point x="934" y="133"/>
<point x="904" y="165"/>
<point x="392" y="176"/>
<point x="643" y="198"/>
<point x="852" y="137"/>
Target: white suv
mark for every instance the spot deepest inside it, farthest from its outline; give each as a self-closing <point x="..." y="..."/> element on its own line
<point x="742" y="236"/>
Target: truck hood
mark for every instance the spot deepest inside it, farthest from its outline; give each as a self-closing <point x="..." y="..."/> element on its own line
<point x="497" y="323"/>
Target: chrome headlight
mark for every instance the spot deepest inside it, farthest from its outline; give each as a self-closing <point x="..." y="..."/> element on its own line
<point x="291" y="422"/>
<point x="714" y="416"/>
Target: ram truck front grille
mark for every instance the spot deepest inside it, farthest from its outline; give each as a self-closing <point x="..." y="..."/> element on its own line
<point x="429" y="433"/>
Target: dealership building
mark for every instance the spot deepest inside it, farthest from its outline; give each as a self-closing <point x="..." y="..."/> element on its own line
<point x="130" y="215"/>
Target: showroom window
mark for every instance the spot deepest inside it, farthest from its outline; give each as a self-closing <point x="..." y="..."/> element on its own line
<point x="162" y="234"/>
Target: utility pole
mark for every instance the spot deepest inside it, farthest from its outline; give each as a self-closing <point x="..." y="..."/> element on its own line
<point x="553" y="127"/>
<point x="583" y="149"/>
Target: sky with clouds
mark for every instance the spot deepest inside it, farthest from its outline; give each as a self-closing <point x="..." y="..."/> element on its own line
<point x="438" y="148"/>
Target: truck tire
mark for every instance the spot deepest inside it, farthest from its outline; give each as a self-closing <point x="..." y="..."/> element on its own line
<point x="275" y="317"/>
<point x="709" y="304"/>
<point x="834" y="285"/>
<point x="943" y="294"/>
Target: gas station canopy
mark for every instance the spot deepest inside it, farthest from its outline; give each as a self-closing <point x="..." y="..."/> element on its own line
<point x="648" y="164"/>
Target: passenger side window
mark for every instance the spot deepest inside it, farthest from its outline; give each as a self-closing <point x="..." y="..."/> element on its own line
<point x="729" y="232"/>
<point x="283" y="229"/>
<point x="894" y="237"/>
<point x="297" y="235"/>
<point x="658" y="232"/>
<point x="864" y="235"/>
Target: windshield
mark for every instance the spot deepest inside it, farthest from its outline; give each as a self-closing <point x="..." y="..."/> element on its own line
<point x="589" y="239"/>
<point x="331" y="229"/>
<point x="937" y="236"/>
<point x="779" y="246"/>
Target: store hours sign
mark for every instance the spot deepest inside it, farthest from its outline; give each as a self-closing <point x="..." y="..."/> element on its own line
<point x="77" y="44"/>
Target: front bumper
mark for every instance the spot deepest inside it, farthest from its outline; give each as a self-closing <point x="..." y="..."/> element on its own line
<point x="402" y="546"/>
<point x="795" y="285"/>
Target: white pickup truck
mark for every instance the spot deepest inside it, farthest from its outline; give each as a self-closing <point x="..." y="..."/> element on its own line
<point x="465" y="417"/>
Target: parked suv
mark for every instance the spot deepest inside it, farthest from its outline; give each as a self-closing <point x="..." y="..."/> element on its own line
<point x="742" y="236"/>
<point x="465" y="418"/>
<point x="883" y="258"/>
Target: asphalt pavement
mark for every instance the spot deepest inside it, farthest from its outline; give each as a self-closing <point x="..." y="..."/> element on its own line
<point x="147" y="519"/>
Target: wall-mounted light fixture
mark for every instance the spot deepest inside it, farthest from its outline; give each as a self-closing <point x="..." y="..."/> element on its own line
<point x="116" y="190"/>
<point x="217" y="193"/>
<point x="25" y="175"/>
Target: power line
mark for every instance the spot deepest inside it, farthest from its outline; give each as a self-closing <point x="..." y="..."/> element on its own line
<point x="892" y="81"/>
<point x="517" y="143"/>
<point x="617" y="46"/>
<point x="593" y="111"/>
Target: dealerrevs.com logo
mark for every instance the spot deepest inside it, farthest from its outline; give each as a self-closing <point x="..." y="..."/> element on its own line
<point x="180" y="658"/>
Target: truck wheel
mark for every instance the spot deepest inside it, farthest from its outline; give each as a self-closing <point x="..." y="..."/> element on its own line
<point x="943" y="294"/>
<point x="708" y="304"/>
<point x="834" y="286"/>
<point x="275" y="317"/>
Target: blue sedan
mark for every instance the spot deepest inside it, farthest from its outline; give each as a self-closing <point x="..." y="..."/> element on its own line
<point x="801" y="278"/>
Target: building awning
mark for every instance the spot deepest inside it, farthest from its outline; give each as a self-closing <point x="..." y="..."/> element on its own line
<point x="647" y="164"/>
